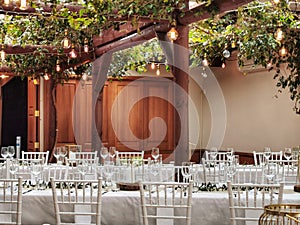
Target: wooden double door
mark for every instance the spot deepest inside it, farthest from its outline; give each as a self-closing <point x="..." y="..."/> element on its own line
<point x="126" y="114"/>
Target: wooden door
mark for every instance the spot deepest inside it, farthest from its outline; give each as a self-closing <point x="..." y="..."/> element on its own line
<point x="130" y="106"/>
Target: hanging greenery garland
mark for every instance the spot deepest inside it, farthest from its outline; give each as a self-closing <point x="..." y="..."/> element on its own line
<point x="265" y="32"/>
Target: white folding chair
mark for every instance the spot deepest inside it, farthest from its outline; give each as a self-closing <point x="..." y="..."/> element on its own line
<point x="11" y="201"/>
<point x="58" y="172"/>
<point x="247" y="201"/>
<point x="166" y="202"/>
<point x="259" y="158"/>
<point x="77" y="201"/>
<point x="36" y="155"/>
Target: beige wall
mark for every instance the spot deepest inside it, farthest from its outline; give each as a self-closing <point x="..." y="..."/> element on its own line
<point x="254" y="117"/>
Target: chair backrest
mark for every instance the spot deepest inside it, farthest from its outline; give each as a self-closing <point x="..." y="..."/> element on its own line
<point x="259" y="158"/>
<point x="286" y="170"/>
<point x="247" y="201"/>
<point x="214" y="172"/>
<point x="81" y="168"/>
<point x="58" y="172"/>
<point x="77" y="201"/>
<point x="36" y="155"/>
<point x="249" y="174"/>
<point x="219" y="156"/>
<point x="160" y="199"/>
<point x="11" y="201"/>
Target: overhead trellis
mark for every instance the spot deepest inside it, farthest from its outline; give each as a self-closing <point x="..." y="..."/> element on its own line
<point x="265" y="32"/>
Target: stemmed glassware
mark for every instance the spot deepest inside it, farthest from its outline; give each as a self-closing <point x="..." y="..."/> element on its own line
<point x="287" y="153"/>
<point x="13" y="166"/>
<point x="4" y="152"/>
<point x="267" y="153"/>
<point x="270" y="171"/>
<point x="112" y="152"/>
<point x="36" y="170"/>
<point x="230" y="153"/>
<point x="187" y="170"/>
<point x="104" y="153"/>
<point x="155" y="153"/>
<point x="11" y="151"/>
<point x="108" y="171"/>
<point x="231" y="169"/>
<point x="83" y="167"/>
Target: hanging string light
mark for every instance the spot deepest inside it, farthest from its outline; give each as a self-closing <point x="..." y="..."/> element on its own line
<point x="276" y="1"/>
<point x="2" y="54"/>
<point x="205" y="61"/>
<point x="23" y="4"/>
<point x="279" y="34"/>
<point x="223" y="65"/>
<point x="66" y="43"/>
<point x="157" y="70"/>
<point x="283" y="51"/>
<point x="173" y="33"/>
<point x="6" y="2"/>
<point x="152" y="65"/>
<point x="226" y="52"/>
<point x="73" y="54"/>
<point x="57" y="66"/>
<point x="86" y="45"/>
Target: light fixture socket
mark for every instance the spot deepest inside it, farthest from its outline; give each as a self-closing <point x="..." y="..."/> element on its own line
<point x="173" y="33"/>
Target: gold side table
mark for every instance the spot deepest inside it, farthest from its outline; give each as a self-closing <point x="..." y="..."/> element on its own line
<point x="280" y="214"/>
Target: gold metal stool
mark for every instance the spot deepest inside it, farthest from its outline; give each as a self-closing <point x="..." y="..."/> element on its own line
<point x="280" y="214"/>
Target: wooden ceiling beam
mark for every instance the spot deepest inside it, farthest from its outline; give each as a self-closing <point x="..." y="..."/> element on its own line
<point x="200" y="13"/>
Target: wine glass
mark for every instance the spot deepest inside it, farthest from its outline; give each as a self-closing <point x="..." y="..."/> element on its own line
<point x="83" y="167"/>
<point x="11" y="151"/>
<point x="267" y="153"/>
<point x="63" y="153"/>
<point x="230" y="153"/>
<point x="104" y="153"/>
<point x="4" y="152"/>
<point x="13" y="166"/>
<point x="231" y="169"/>
<point x="270" y="171"/>
<point x="108" y="171"/>
<point x="57" y="154"/>
<point x="155" y="153"/>
<point x="36" y="169"/>
<point x="288" y="153"/>
<point x="112" y="152"/>
<point x="213" y="153"/>
<point x="187" y="170"/>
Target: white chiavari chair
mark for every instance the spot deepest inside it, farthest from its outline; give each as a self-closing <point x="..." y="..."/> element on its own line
<point x="11" y="201"/>
<point x="250" y="174"/>
<point x="58" y="172"/>
<point x="77" y="201"/>
<point x="259" y="158"/>
<point x="166" y="202"/>
<point x="213" y="172"/>
<point x="286" y="171"/>
<point x="79" y="165"/>
<point x="247" y="201"/>
<point x="35" y="155"/>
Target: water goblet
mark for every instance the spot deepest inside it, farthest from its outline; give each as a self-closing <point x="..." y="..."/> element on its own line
<point x="11" y="151"/>
<point x="267" y="153"/>
<point x="155" y="153"/>
<point x="36" y="170"/>
<point x="230" y="153"/>
<point x="63" y="153"/>
<point x="231" y="169"/>
<point x="108" y="171"/>
<point x="83" y="167"/>
<point x="287" y="153"/>
<point x="112" y="152"/>
<point x="4" y="152"/>
<point x="56" y="154"/>
<point x="270" y="171"/>
<point x="104" y="153"/>
<point x="13" y="166"/>
<point x="187" y="170"/>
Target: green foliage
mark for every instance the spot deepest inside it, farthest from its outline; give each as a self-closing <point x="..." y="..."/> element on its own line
<point x="44" y="29"/>
<point x="251" y="28"/>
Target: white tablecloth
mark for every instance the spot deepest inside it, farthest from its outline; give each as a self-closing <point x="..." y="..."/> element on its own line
<point x="208" y="208"/>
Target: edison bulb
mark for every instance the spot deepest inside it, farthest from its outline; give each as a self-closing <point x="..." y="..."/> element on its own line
<point x="226" y="53"/>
